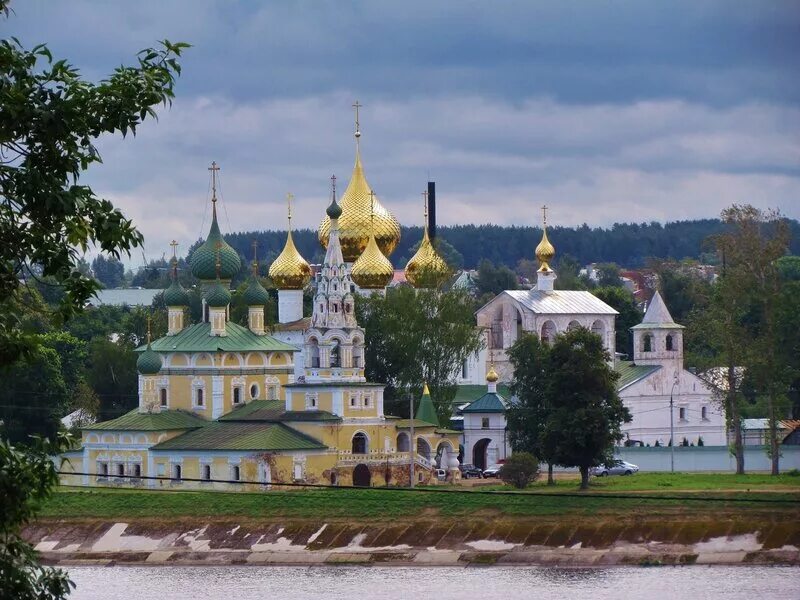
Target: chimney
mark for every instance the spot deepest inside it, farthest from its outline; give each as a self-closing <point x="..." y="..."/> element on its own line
<point x="432" y="210"/>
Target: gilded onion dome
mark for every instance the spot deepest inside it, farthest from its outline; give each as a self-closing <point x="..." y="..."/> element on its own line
<point x="372" y="270"/>
<point x="426" y="269"/>
<point x="290" y="271"/>
<point x="355" y="225"/>
<point x="545" y="252"/>
<point x="492" y="375"/>
<point x="203" y="261"/>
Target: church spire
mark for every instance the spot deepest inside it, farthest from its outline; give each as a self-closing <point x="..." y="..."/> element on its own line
<point x="545" y="276"/>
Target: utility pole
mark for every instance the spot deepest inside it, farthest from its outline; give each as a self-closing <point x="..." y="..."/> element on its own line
<point x="411" y="442"/>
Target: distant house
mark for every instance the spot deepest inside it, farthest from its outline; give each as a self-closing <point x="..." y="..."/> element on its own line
<point x="125" y="297"/>
<point x="755" y="432"/>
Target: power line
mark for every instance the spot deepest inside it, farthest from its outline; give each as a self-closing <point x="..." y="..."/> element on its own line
<point x="496" y="493"/>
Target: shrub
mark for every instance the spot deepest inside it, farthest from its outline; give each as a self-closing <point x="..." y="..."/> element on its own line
<point x="520" y="469"/>
<point x="700" y="441"/>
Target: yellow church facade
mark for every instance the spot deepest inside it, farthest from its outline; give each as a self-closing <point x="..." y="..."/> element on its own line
<point x="221" y="405"/>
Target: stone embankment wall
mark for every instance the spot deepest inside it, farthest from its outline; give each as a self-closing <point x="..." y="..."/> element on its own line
<point x="436" y="542"/>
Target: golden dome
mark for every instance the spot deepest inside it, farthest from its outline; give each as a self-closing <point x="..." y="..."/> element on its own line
<point x="492" y="375"/>
<point x="545" y="252"/>
<point x="355" y="225"/>
<point x="372" y="270"/>
<point x="290" y="271"/>
<point x="426" y="269"/>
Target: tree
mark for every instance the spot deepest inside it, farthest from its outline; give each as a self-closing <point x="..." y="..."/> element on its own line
<point x="112" y="375"/>
<point x="519" y="470"/>
<point x="569" y="274"/>
<point x="416" y="336"/>
<point x="621" y="300"/>
<point x="587" y="414"/>
<point x="27" y="477"/>
<point x="493" y="280"/>
<point x="789" y="267"/>
<point x="608" y="275"/>
<point x="108" y="271"/>
<point x="527" y="416"/>
<point x="50" y="120"/>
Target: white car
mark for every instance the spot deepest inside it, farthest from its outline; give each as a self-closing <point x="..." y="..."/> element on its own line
<point x="492" y="471"/>
<point x="618" y="467"/>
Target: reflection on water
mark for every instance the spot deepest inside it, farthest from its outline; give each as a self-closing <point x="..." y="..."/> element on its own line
<point x="443" y="583"/>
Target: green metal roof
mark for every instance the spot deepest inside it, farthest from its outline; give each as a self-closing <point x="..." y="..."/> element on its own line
<point x="418" y="423"/>
<point x="469" y="393"/>
<point x="630" y="373"/>
<point x="196" y="338"/>
<point x="255" y="437"/>
<point x="426" y="411"/>
<point x="488" y="403"/>
<point x="273" y="410"/>
<point x="165" y="420"/>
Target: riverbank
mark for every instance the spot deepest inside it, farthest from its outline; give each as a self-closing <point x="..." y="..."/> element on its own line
<point x="396" y="527"/>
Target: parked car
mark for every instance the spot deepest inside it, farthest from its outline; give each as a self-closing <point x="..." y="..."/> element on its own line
<point x="470" y="471"/>
<point x="617" y="467"/>
<point x="492" y="471"/>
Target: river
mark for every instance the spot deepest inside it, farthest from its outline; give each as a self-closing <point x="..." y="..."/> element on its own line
<point x="438" y="583"/>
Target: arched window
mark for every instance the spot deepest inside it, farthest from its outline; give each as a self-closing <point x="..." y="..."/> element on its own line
<point x="120" y="469"/>
<point x="548" y="332"/>
<point x="669" y="343"/>
<point x="207" y="472"/>
<point x="403" y="443"/>
<point x="163" y="395"/>
<point x="176" y="472"/>
<point x="336" y="360"/>
<point x="235" y="472"/>
<point x="647" y="342"/>
<point x="313" y="352"/>
<point x="237" y="395"/>
<point x="360" y="443"/>
<point x="573" y="325"/>
<point x="199" y="397"/>
<point x="137" y="470"/>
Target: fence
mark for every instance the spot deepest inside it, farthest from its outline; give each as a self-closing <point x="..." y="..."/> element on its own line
<point x="707" y="458"/>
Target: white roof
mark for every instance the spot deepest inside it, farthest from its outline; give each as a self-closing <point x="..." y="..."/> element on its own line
<point x="561" y="302"/>
<point x="657" y="316"/>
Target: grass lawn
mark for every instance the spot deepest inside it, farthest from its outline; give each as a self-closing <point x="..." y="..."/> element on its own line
<point x="718" y="494"/>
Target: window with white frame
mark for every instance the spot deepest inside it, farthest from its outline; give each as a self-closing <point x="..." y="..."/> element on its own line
<point x="353" y="401"/>
<point x="177" y="472"/>
<point x="198" y="393"/>
<point x="272" y="385"/>
<point x="162" y="394"/>
<point x="206" y="472"/>
<point x="102" y="469"/>
<point x="367" y="400"/>
<point x="682" y="413"/>
<point x="704" y="413"/>
<point x="137" y="470"/>
<point x="484" y="422"/>
<point x="312" y="400"/>
<point x="237" y="395"/>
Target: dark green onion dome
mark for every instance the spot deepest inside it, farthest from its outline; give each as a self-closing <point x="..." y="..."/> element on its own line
<point x="204" y="259"/>
<point x="149" y="362"/>
<point x="334" y="211"/>
<point x="217" y="295"/>
<point x="255" y="294"/>
<point x="176" y="295"/>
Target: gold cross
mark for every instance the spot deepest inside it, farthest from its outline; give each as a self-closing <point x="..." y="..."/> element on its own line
<point x="213" y="168"/>
<point x="289" y="198"/>
<point x="218" y="245"/>
<point x="425" y="199"/>
<point x="333" y="186"/>
<point x="148" y="328"/>
<point x="174" y="245"/>
<point x="357" y="106"/>
<point x="255" y="257"/>
<point x="544" y="215"/>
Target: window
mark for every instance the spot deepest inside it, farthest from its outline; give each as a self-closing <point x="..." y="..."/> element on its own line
<point x="682" y="413"/>
<point x="464" y="372"/>
<point x="647" y="342"/>
<point x="199" y="397"/>
<point x="366" y="401"/>
<point x="352" y="401"/>
<point x="335" y="356"/>
<point x="102" y="469"/>
<point x="668" y="344"/>
<point x="237" y="395"/>
<point x="163" y="395"/>
<point x="176" y="472"/>
<point x="137" y="471"/>
<point x="704" y="413"/>
<point x="254" y="391"/>
<point x="272" y="392"/>
<point x="120" y="470"/>
<point x="311" y="400"/>
<point x="207" y="472"/>
<point x="484" y="422"/>
<point x="235" y="472"/>
<point x="359" y="443"/>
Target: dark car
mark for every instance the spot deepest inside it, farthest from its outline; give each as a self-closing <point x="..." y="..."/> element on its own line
<point x="470" y="471"/>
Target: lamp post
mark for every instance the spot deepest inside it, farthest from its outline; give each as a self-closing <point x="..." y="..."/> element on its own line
<point x="411" y="442"/>
<point x="672" y="430"/>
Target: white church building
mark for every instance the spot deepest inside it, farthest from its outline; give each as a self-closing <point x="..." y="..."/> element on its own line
<point x="646" y="384"/>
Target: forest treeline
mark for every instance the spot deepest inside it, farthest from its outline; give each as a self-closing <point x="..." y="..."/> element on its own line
<point x="626" y="244"/>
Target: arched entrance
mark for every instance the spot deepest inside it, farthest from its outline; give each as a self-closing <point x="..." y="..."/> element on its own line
<point x="360" y="443"/>
<point x="361" y="477"/>
<point x="479" y="453"/>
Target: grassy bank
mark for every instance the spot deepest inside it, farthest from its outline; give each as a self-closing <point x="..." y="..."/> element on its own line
<point x="701" y="495"/>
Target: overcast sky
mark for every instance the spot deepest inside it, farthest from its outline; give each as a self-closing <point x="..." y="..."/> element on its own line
<point x="606" y="111"/>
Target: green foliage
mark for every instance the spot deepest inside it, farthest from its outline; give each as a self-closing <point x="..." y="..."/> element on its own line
<point x="27" y="478"/>
<point x="520" y="470"/>
<point x="789" y="267"/>
<point x="526" y="418"/>
<point x="569" y="277"/>
<point x="112" y="375"/>
<point x="621" y="300"/>
<point x="493" y="280"/>
<point x="50" y="120"/>
<point x="608" y="275"/>
<point x="587" y="414"/>
<point x="108" y="271"/>
<point x="413" y="336"/>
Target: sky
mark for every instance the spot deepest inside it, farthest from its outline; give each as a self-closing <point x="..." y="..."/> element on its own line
<point x="605" y="111"/>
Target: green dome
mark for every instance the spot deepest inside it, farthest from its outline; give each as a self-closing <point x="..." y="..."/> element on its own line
<point x="149" y="362"/>
<point x="334" y="211"/>
<point x="217" y="296"/>
<point x="204" y="259"/>
<point x="175" y="295"/>
<point x="255" y="294"/>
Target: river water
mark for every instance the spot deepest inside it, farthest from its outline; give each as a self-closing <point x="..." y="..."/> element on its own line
<point x="438" y="583"/>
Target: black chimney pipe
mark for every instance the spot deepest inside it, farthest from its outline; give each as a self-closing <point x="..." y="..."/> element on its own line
<point x="432" y="210"/>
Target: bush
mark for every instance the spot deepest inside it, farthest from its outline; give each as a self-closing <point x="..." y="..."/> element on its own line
<point x="519" y="470"/>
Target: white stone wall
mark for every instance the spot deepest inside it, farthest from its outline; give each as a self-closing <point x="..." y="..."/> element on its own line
<point x="498" y="448"/>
